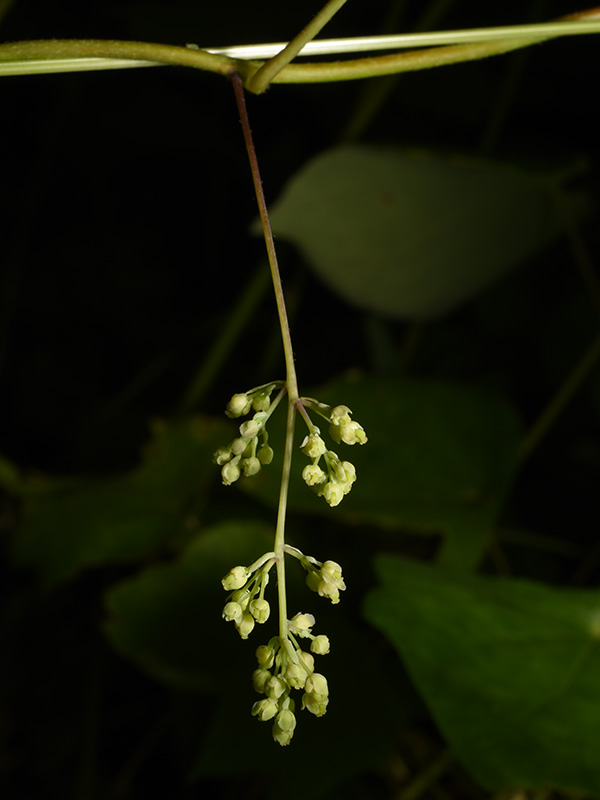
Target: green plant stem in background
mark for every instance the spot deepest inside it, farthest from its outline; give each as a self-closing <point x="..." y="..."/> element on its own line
<point x="226" y="339"/>
<point x="261" y="79"/>
<point x="428" y="777"/>
<point x="563" y="396"/>
<point x="376" y="94"/>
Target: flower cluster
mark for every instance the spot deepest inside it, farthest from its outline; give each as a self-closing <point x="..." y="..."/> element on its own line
<point x="246" y="605"/>
<point x="283" y="666"/>
<point x="282" y="663"/>
<point x="336" y="480"/>
<point x="325" y="578"/>
<point x="244" y="454"/>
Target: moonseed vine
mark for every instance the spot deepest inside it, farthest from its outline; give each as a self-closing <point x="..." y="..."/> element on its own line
<point x="283" y="664"/>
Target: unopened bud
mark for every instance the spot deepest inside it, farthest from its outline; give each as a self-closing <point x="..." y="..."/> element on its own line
<point x="246" y="625"/>
<point x="320" y="645"/>
<point x="251" y="466"/>
<point x="260" y="610"/>
<point x="232" y="612"/>
<point x="235" y="578"/>
<point x="222" y="456"/>
<point x="230" y="473"/>
<point x="265" y="454"/>
<point x="238" y="406"/>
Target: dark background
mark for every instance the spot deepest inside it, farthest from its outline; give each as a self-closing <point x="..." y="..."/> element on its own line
<point x="125" y="206"/>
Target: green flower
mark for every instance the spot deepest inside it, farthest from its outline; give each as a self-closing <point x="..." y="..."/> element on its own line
<point x="235" y="578"/>
<point x="260" y="610"/>
<point x="238" y="406"/>
<point x="245" y="625"/>
<point x="283" y="729"/>
<point x="320" y="645"/>
<point x="265" y="709"/>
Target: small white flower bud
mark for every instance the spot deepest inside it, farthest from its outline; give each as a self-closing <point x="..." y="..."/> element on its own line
<point x="249" y="429"/>
<point x="316" y="684"/>
<point x="246" y="625"/>
<point x="313" y="705"/>
<point x="230" y="473"/>
<point x="259" y="678"/>
<point x="295" y="675"/>
<point x="286" y="720"/>
<point x="332" y="570"/>
<point x="313" y="446"/>
<point x="329" y="590"/>
<point x="222" y="456"/>
<point x="260" y="610"/>
<point x="339" y="413"/>
<point x="238" y="446"/>
<point x="275" y="687"/>
<point x="251" y="466"/>
<point x="320" y="645"/>
<point x="238" y="406"/>
<point x="235" y="579"/>
<point x="307" y="659"/>
<point x="261" y="402"/>
<point x="265" y="656"/>
<point x="242" y="596"/>
<point x="232" y="612"/>
<point x="283" y="729"/>
<point x="350" y="472"/>
<point x="265" y="709"/>
<point x="265" y="454"/>
<point x="313" y="580"/>
<point x="313" y="475"/>
<point x="333" y="493"/>
<point x="353" y="433"/>
<point x="302" y="623"/>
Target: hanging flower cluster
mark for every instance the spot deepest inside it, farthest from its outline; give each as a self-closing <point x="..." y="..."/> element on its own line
<point x="283" y="665"/>
<point x="329" y="476"/>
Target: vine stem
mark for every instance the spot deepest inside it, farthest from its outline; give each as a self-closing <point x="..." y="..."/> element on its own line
<point x="291" y="382"/>
<point x="291" y="379"/>
<point x="260" y="81"/>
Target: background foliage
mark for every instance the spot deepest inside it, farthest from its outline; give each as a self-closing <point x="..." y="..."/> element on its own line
<point x="133" y="303"/>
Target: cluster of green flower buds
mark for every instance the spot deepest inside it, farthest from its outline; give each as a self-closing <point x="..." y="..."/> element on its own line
<point x="325" y="578"/>
<point x="246" y="605"/>
<point x="283" y="666"/>
<point x="335" y="481"/>
<point x="245" y="455"/>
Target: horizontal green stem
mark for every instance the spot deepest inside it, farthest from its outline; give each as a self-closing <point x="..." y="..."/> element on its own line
<point x="66" y="49"/>
<point x="67" y="55"/>
<point x="396" y="63"/>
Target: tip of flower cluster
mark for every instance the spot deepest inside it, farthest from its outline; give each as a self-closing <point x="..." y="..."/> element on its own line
<point x="343" y="429"/>
<point x="326" y="581"/>
<point x="283" y="666"/>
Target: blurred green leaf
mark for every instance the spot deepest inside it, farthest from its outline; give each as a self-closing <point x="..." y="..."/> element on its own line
<point x="68" y="525"/>
<point x="168" y="619"/>
<point x="412" y="234"/>
<point x="440" y="459"/>
<point x="510" y="670"/>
